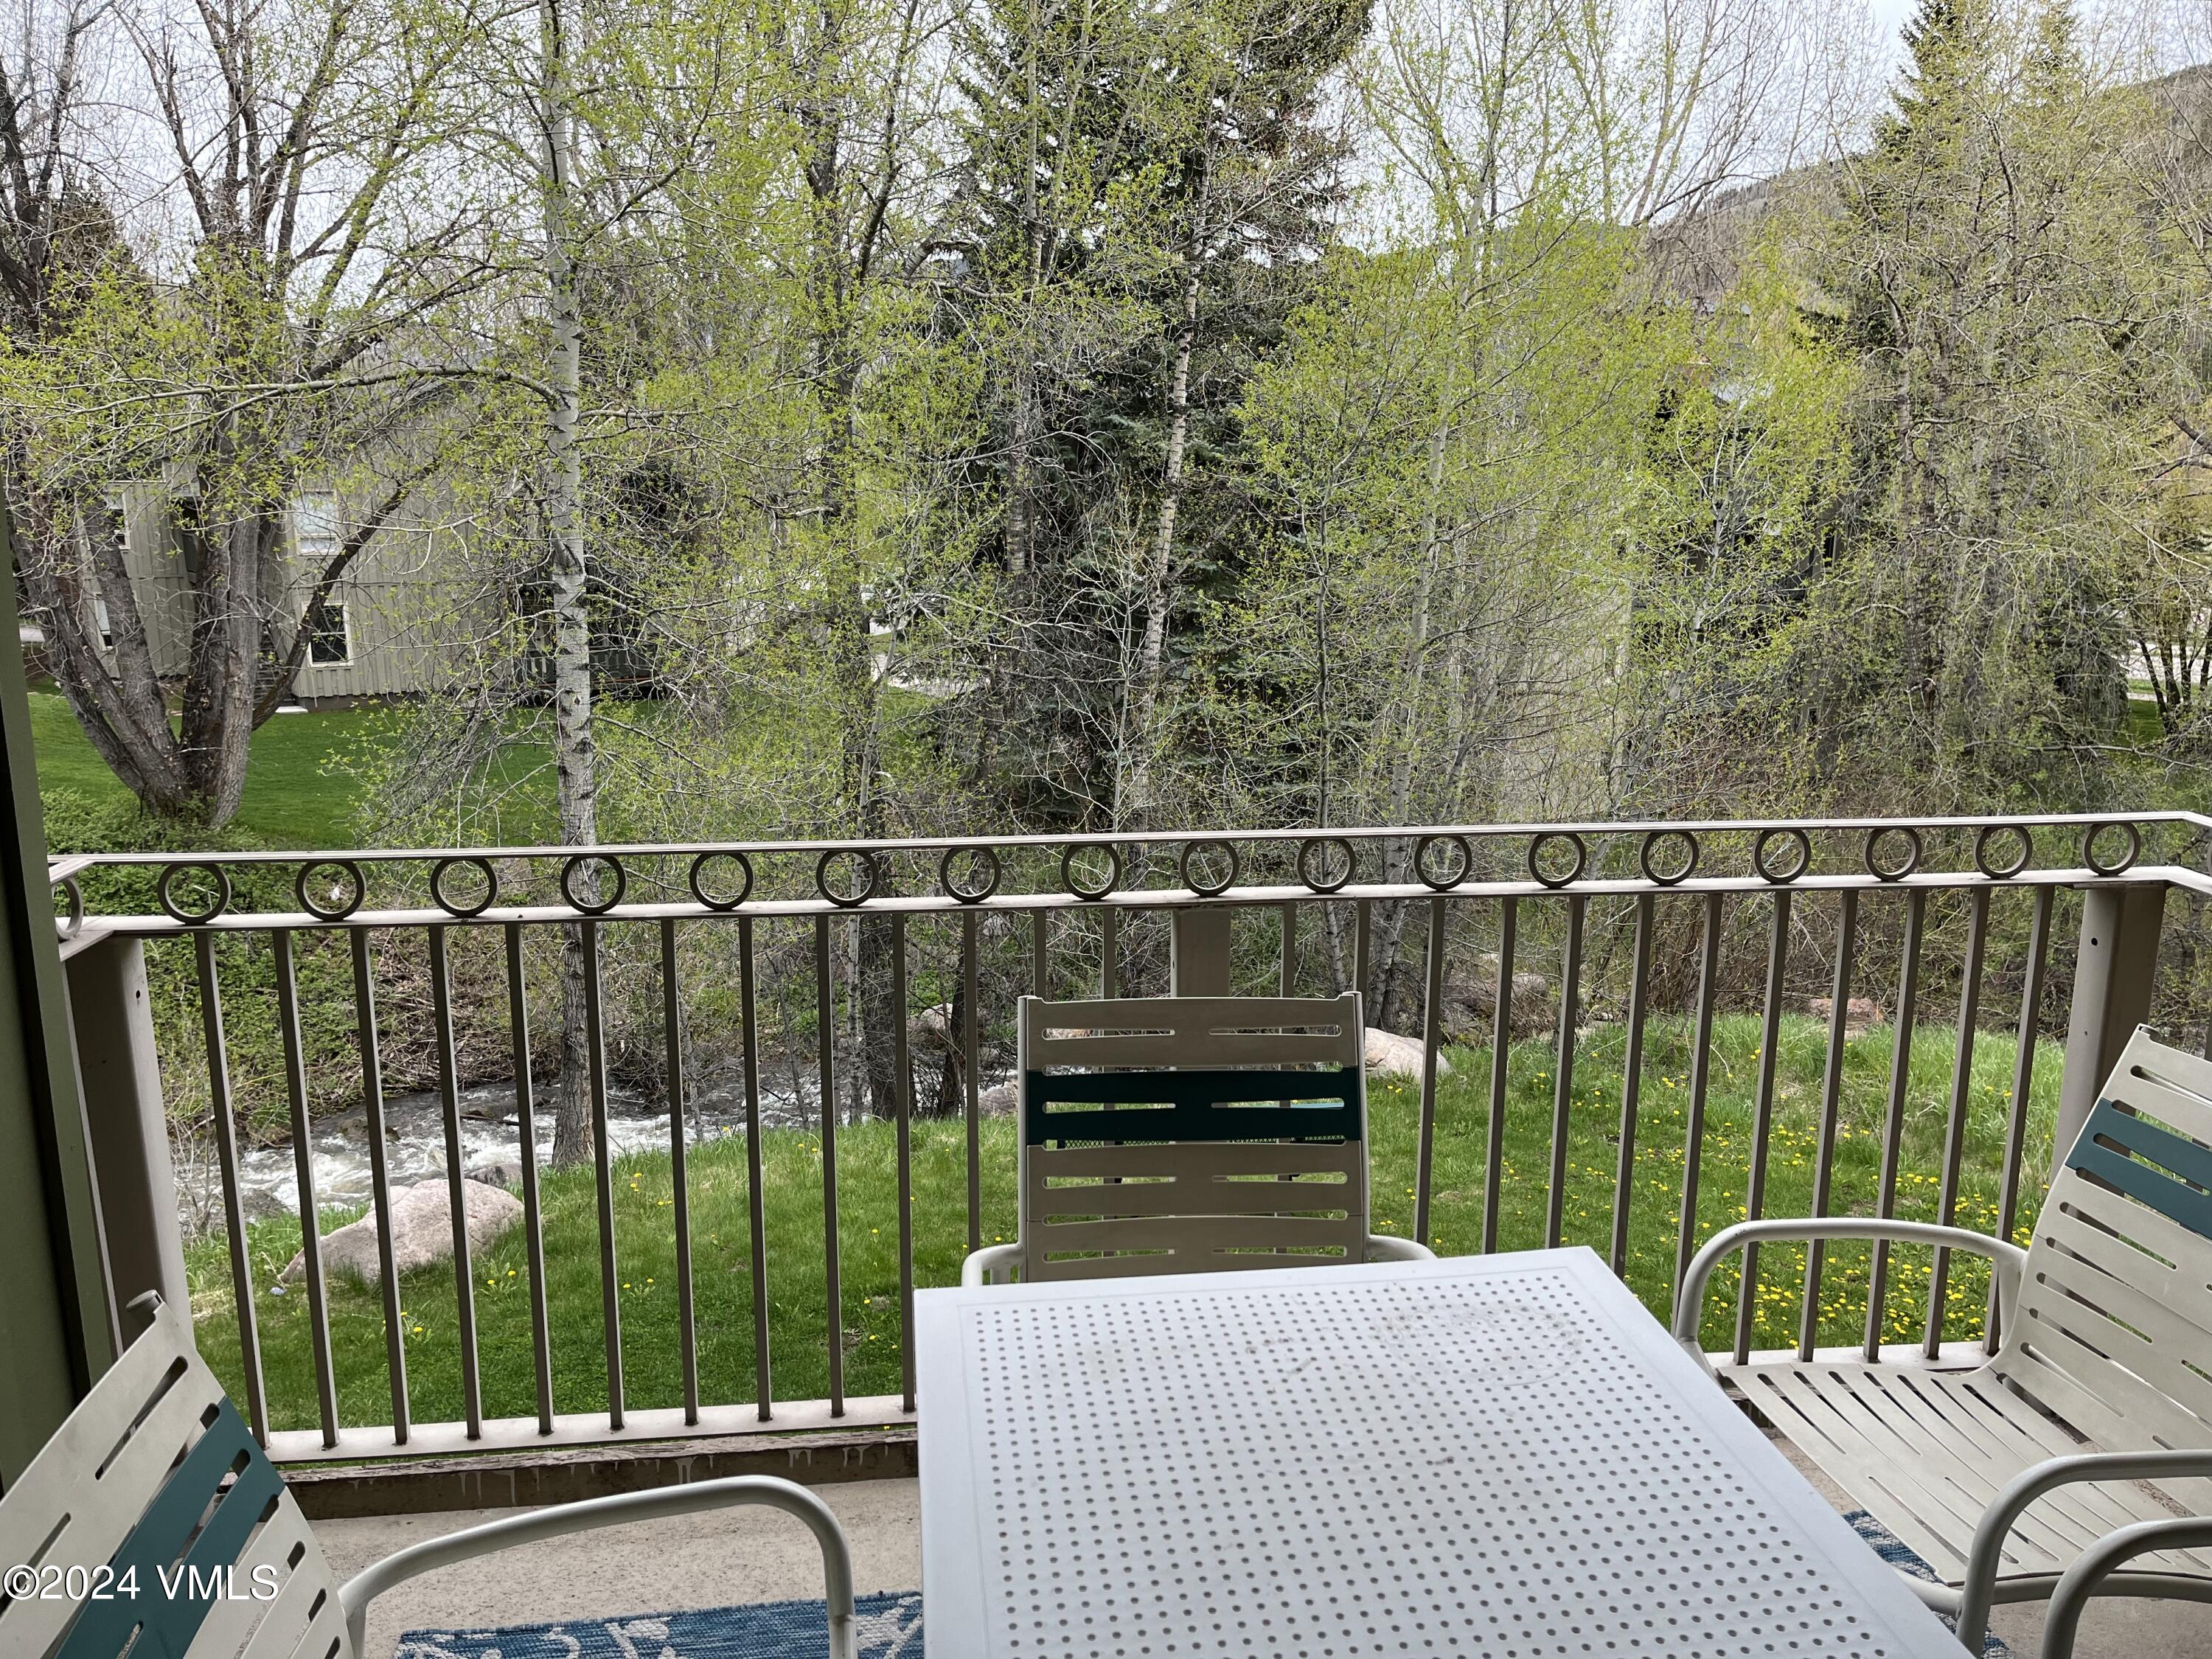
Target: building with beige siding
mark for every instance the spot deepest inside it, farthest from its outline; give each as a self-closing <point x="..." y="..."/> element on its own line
<point x="386" y="629"/>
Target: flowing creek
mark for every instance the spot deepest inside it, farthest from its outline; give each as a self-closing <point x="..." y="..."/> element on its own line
<point x="415" y="1145"/>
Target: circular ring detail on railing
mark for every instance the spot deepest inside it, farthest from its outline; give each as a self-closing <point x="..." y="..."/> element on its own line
<point x="1315" y="844"/>
<point x="75" y="924"/>
<point x="570" y="866"/>
<point x="2003" y="872"/>
<point x="1653" y="842"/>
<point x="1462" y="862"/>
<point x="697" y="880"/>
<point x="340" y="912"/>
<point x="1896" y="873"/>
<point x="194" y="918"/>
<point x="483" y="866"/>
<point x="1208" y="889"/>
<point x="1782" y="877"/>
<point x="954" y="890"/>
<point x="1573" y="872"/>
<point x="2126" y="859"/>
<point x="867" y="862"/>
<point x="1090" y="895"/>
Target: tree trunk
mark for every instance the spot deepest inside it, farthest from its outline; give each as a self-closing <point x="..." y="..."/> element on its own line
<point x="1021" y="492"/>
<point x="574" y="761"/>
<point x="952" y="1094"/>
<point x="837" y="272"/>
<point x="121" y="710"/>
<point x="1135" y="805"/>
<point x="1388" y="990"/>
<point x="217" y="719"/>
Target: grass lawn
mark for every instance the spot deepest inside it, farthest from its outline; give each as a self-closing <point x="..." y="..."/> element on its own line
<point x="295" y="797"/>
<point x="867" y="1323"/>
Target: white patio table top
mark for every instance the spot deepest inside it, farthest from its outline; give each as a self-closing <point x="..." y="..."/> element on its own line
<point x="1502" y="1454"/>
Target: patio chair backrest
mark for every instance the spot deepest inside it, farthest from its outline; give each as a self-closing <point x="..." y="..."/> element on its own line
<point x="152" y="1510"/>
<point x="2114" y="1329"/>
<point x="1188" y="1134"/>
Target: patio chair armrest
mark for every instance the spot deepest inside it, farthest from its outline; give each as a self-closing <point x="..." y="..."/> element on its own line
<point x="356" y="1595"/>
<point x="1978" y="1588"/>
<point x="1380" y="1247"/>
<point x="2080" y="1581"/>
<point x="2005" y="1260"/>
<point x="986" y="1266"/>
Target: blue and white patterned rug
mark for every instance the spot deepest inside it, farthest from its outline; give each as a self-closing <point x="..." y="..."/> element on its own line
<point x="887" y="1626"/>
<point x="1892" y="1549"/>
<point x="890" y="1627"/>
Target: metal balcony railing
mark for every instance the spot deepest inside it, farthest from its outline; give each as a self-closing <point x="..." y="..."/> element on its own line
<point x="1637" y="926"/>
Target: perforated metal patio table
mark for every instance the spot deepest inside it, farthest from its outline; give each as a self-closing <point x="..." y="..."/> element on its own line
<point x="1504" y="1455"/>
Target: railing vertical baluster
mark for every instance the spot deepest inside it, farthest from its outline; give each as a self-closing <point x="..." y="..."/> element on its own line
<point x="533" y="1211"/>
<point x="1432" y="1036"/>
<point x="1562" y="1085"/>
<point x="1832" y="1094"/>
<point x="234" y="1210"/>
<point x="1109" y="954"/>
<point x="1501" y="1049"/>
<point x="1290" y="970"/>
<point x="1892" y="1136"/>
<point x="595" y="1047"/>
<point x="748" y="1007"/>
<point x="825" y="1015"/>
<point x="303" y="1163"/>
<point x="1701" y="1072"/>
<point x="1040" y="954"/>
<point x="970" y="1058"/>
<point x="1632" y="1080"/>
<point x="1954" y="1133"/>
<point x="1770" y="1033"/>
<point x="903" y="1103"/>
<point x="1363" y="945"/>
<point x="449" y="1098"/>
<point x="679" y="1188"/>
<point x="380" y="1177"/>
<point x="2023" y="1084"/>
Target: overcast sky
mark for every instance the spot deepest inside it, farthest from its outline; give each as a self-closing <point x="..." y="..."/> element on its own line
<point x="2175" y="31"/>
<point x="1892" y="13"/>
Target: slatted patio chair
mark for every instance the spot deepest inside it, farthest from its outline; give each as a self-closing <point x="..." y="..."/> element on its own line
<point x="152" y="1522"/>
<point x="2002" y="1477"/>
<point x="1190" y="1134"/>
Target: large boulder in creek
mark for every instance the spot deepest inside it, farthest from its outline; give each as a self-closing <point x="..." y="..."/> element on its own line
<point x="422" y="1231"/>
<point x="1390" y="1055"/>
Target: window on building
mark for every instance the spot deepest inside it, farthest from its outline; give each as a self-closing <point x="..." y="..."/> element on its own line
<point x="329" y="642"/>
<point x="315" y="535"/>
<point x="316" y="539"/>
<point x="184" y="537"/>
<point x="99" y="622"/>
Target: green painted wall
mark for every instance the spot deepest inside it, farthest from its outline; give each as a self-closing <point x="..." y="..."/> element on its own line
<point x="54" y="1322"/>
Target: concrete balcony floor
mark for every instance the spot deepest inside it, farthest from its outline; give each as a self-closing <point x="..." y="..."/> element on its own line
<point x="751" y="1555"/>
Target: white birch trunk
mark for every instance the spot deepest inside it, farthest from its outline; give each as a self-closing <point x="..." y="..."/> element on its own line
<point x="1136" y="802"/>
<point x="574" y="762"/>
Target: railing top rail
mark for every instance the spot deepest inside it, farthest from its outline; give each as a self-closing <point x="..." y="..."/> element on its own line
<point x="197" y="890"/>
<point x="1149" y="898"/>
<point x="60" y="867"/>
